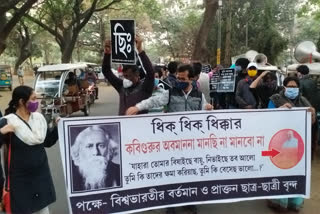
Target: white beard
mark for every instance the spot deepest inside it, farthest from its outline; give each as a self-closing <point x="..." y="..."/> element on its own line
<point x="94" y="172"/>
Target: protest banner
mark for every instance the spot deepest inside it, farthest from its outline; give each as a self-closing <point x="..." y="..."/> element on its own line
<point x="123" y="41"/>
<point x="162" y="160"/>
<point x="223" y="81"/>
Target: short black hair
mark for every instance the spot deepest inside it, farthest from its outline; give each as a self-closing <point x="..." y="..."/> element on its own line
<point x="172" y="67"/>
<point x="271" y="75"/>
<point x="133" y="68"/>
<point x="289" y="79"/>
<point x="303" y="69"/>
<point x="157" y="69"/>
<point x="187" y="67"/>
<point x="197" y="67"/>
<point x="243" y="62"/>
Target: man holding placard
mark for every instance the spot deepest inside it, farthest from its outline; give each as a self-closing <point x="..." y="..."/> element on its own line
<point x="131" y="88"/>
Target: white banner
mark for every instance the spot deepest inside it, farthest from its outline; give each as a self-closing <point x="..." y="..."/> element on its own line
<point x="137" y="163"/>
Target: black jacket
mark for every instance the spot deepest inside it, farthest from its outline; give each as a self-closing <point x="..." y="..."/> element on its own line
<point x="308" y="89"/>
<point x="130" y="96"/>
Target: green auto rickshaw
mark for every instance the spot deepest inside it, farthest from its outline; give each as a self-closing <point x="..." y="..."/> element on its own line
<point x="5" y="77"/>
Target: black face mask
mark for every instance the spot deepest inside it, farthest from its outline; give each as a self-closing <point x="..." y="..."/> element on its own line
<point x="270" y="85"/>
<point x="182" y="85"/>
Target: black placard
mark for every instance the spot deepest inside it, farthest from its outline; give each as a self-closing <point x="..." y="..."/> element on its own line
<point x="223" y="81"/>
<point x="123" y="41"/>
<point x="214" y="81"/>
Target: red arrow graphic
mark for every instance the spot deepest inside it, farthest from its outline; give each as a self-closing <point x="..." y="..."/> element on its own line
<point x="271" y="153"/>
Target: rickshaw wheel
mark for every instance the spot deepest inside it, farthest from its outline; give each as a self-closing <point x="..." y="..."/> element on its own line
<point x="10" y="87"/>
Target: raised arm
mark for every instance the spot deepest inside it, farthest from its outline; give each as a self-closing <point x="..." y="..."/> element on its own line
<point x="106" y="68"/>
<point x="148" y="83"/>
<point x="256" y="82"/>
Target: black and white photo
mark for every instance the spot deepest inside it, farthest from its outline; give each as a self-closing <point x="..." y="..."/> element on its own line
<point x="95" y="154"/>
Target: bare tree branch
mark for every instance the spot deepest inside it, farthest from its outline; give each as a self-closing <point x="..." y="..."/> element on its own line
<point x="45" y="27"/>
<point x="16" y="18"/>
<point x="107" y="6"/>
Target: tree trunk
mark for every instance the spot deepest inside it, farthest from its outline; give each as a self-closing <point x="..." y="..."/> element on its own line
<point x="25" y="45"/>
<point x="200" y="51"/>
<point x="67" y="46"/>
<point x="8" y="25"/>
<point x="78" y="52"/>
<point x="31" y="62"/>
<point x="102" y="36"/>
<point x="318" y="43"/>
<point x="25" y="53"/>
<point x="46" y="56"/>
<point x="227" y="56"/>
<point x="2" y="37"/>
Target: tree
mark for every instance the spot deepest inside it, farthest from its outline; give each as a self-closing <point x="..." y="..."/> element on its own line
<point x="269" y="41"/>
<point x="17" y="8"/>
<point x="310" y="14"/>
<point x="227" y="52"/>
<point x="200" y="50"/>
<point x="22" y="43"/>
<point x="65" y="20"/>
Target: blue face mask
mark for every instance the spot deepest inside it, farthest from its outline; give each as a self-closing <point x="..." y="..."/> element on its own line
<point x="182" y="85"/>
<point x="156" y="82"/>
<point x="238" y="68"/>
<point x="291" y="93"/>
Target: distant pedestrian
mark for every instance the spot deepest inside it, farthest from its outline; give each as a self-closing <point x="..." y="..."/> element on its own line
<point x="20" y="73"/>
<point x="35" y="70"/>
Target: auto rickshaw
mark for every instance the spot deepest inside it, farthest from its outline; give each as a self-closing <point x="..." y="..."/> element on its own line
<point x="59" y="94"/>
<point x="5" y="77"/>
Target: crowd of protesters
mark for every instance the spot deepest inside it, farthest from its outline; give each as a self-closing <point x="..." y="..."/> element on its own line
<point x="187" y="89"/>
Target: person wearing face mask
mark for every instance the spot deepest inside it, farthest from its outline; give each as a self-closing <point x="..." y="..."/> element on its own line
<point x="24" y="131"/>
<point x="292" y="97"/>
<point x="131" y="89"/>
<point x="157" y="91"/>
<point x="263" y="87"/>
<point x="308" y="87"/>
<point x="288" y="98"/>
<point x="244" y="97"/>
<point x="240" y="67"/>
<point x="182" y="97"/>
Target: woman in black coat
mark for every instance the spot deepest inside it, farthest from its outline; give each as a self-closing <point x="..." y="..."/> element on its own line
<point x="31" y="185"/>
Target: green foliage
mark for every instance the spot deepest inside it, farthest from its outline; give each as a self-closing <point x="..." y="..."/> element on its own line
<point x="309" y="22"/>
<point x="268" y="40"/>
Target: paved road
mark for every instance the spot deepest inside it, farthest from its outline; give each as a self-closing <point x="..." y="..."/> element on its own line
<point x="108" y="105"/>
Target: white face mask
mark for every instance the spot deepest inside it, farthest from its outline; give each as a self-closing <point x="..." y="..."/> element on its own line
<point x="127" y="83"/>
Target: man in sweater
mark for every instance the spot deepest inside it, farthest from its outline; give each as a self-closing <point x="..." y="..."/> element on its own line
<point x="131" y="88"/>
<point x="182" y="97"/>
